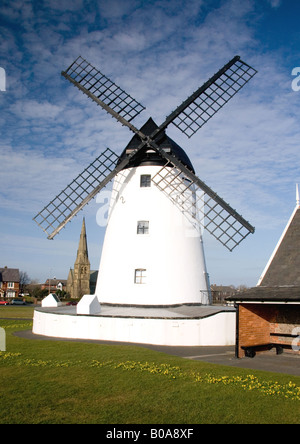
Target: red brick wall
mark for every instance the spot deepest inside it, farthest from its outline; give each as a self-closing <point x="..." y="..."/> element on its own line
<point x="16" y="287"/>
<point x="254" y="328"/>
<point x="257" y="321"/>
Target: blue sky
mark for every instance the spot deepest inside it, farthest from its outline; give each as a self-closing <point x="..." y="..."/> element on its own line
<point x="159" y="51"/>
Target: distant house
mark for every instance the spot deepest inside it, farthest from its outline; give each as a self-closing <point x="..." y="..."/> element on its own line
<point x="219" y="293"/>
<point x="9" y="282"/>
<point x="54" y="284"/>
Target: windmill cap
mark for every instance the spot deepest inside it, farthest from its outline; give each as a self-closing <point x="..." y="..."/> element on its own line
<point x="148" y="156"/>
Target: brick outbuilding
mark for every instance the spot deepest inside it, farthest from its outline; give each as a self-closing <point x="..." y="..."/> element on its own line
<point x="267" y="318"/>
<point x="268" y="315"/>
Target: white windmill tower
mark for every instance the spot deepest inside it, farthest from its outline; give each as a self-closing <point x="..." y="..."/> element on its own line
<point x="160" y="258"/>
<point x="153" y="251"/>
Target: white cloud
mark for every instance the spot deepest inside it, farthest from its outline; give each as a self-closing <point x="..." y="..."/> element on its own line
<point x="274" y="3"/>
<point x="33" y="109"/>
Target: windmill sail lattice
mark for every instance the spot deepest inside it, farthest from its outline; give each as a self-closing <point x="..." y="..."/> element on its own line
<point x="102" y="90"/>
<point x="79" y="192"/>
<point x="202" y="206"/>
<point x="201" y="106"/>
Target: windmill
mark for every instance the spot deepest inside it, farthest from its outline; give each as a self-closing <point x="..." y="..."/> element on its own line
<point x="147" y="258"/>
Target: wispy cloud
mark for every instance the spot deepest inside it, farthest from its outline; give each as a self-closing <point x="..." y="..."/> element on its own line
<point x="274" y="3"/>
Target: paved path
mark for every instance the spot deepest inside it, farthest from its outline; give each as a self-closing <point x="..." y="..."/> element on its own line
<point x="223" y="355"/>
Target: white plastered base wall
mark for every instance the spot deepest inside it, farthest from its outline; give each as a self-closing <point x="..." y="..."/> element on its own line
<point x="218" y="329"/>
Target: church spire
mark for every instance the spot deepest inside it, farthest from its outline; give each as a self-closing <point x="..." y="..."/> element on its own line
<point x="82" y="252"/>
<point x="79" y="278"/>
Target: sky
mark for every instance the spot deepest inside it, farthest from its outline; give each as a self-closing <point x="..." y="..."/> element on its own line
<point x="159" y="52"/>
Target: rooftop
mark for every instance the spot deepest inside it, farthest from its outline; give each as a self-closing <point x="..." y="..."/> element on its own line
<point x="9" y="274"/>
<point x="168" y="312"/>
<point x="286" y="294"/>
<point x="148" y="156"/>
<point x="284" y="264"/>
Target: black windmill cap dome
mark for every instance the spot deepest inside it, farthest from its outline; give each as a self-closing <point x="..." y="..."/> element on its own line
<point x="147" y="156"/>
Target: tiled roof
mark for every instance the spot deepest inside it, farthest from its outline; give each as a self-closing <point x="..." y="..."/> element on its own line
<point x="93" y="276"/>
<point x="268" y="294"/>
<point x="9" y="275"/>
<point x="284" y="265"/>
<point x="280" y="281"/>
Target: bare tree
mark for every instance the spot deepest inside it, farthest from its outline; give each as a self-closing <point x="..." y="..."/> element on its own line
<point x="24" y="280"/>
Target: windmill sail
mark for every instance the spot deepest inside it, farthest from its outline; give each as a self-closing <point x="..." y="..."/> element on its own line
<point x="199" y="202"/>
<point x="195" y="111"/>
<point x="77" y="194"/>
<point x="103" y="91"/>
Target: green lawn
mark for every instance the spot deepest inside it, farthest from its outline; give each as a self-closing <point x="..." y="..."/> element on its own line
<point x="16" y="311"/>
<point x="69" y="382"/>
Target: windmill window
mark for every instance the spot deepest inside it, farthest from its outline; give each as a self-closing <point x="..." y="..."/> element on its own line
<point x="140" y="276"/>
<point x="143" y="227"/>
<point x="145" y="180"/>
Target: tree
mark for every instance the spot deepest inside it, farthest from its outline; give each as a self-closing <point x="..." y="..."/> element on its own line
<point x="24" y="280"/>
<point x="35" y="291"/>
